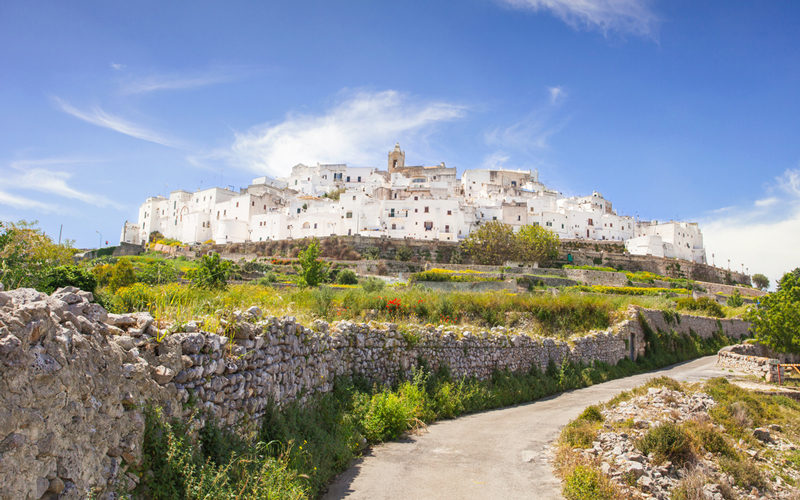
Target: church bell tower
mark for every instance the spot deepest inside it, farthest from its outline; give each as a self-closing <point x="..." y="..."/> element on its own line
<point x="397" y="158"/>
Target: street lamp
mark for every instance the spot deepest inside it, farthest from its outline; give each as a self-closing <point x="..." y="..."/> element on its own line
<point x="729" y="264"/>
<point x="101" y="239"/>
<point x="712" y="260"/>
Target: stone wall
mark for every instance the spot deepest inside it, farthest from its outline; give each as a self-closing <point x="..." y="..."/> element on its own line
<point x="728" y="289"/>
<point x="74" y="378"/>
<point x="761" y="367"/>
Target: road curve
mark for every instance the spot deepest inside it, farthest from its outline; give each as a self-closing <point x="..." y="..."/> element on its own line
<point x="493" y="455"/>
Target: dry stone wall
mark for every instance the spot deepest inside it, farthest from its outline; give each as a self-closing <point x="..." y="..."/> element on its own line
<point x="74" y="378"/>
<point x="761" y="367"/>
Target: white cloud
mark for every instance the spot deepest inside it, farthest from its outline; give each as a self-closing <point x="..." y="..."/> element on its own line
<point x="117" y="66"/>
<point x="623" y="16"/>
<point x="29" y="175"/>
<point x="22" y="203"/>
<point x="556" y="93"/>
<point x="352" y="131"/>
<point x="764" y="237"/>
<point x="97" y="116"/>
<point x="495" y="160"/>
<point x="173" y="82"/>
<point x="533" y="131"/>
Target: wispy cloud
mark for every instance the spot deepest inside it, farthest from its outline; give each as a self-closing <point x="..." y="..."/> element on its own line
<point x="22" y="203"/>
<point x="533" y="131"/>
<point x="763" y="236"/>
<point x="351" y="131"/>
<point x="97" y="116"/>
<point x="173" y="82"/>
<point x="31" y="175"/>
<point x="495" y="160"/>
<point x="622" y="16"/>
<point x="117" y="66"/>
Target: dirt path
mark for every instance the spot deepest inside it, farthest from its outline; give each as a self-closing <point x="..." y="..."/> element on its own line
<point x="498" y="454"/>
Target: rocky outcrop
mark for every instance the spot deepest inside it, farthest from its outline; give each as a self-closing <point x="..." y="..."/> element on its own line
<point x="74" y="379"/>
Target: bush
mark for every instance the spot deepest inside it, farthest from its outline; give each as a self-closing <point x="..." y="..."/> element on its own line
<point x="211" y="273"/>
<point x="745" y="473"/>
<point x="579" y="433"/>
<point x="403" y="253"/>
<point x="668" y="441"/>
<point x="735" y="300"/>
<point x="373" y="284"/>
<point x="311" y="270"/>
<point x="122" y="274"/>
<point x="62" y="276"/>
<point x="710" y="438"/>
<point x="704" y="304"/>
<point x="323" y="300"/>
<point x="587" y="483"/>
<point x="347" y="277"/>
<point x="591" y="414"/>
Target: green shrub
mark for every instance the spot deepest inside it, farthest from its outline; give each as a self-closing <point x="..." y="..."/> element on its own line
<point x="403" y="253"/>
<point x="579" y="433"/>
<point x="587" y="483"/>
<point x="704" y="304"/>
<point x="347" y="277"/>
<point x="373" y="284"/>
<point x="710" y="438"/>
<point x="745" y="473"/>
<point x="371" y="253"/>
<point x="211" y="273"/>
<point x="591" y="414"/>
<point x="323" y="301"/>
<point x="122" y="275"/>
<point x="667" y="441"/>
<point x="63" y="276"/>
<point x="735" y="300"/>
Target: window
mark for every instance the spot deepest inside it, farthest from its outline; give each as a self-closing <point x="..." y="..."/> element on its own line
<point x="590" y="222"/>
<point x="429" y="225"/>
<point x="446" y="229"/>
<point x="315" y="225"/>
<point x="254" y="204"/>
<point x="562" y="226"/>
<point x="306" y="225"/>
<point x="449" y="212"/>
<point x="395" y="196"/>
<point x="426" y="210"/>
<point x="298" y="210"/>
<point x="217" y="215"/>
<point x="265" y="207"/>
<point x="416" y="210"/>
<point x="394" y="226"/>
<point x="354" y="198"/>
<point x="295" y="182"/>
<point x="359" y="178"/>
<point x="519" y="217"/>
<point x="237" y="204"/>
<point x="174" y="204"/>
<point x="391" y="212"/>
<point x="416" y="198"/>
<point x="513" y="183"/>
<point x="494" y="218"/>
<point x="337" y="177"/>
<point x="224" y="212"/>
<point x="349" y="215"/>
<point x="348" y="178"/>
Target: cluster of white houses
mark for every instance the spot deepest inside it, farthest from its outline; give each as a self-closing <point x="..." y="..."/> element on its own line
<point x="400" y="202"/>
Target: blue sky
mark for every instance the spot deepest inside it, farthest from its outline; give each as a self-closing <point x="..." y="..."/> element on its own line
<point x="671" y="109"/>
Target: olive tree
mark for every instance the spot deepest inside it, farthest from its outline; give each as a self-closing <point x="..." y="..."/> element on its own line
<point x="760" y="281"/>
<point x="492" y="243"/>
<point x="536" y="244"/>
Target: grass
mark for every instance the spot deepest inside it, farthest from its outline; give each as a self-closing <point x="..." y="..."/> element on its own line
<point x="561" y="315"/>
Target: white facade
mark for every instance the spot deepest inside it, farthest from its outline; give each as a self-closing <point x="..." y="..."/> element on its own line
<point x="679" y="240"/>
<point x="427" y="203"/>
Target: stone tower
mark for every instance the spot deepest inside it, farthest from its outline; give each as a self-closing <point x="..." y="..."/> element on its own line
<point x="397" y="158"/>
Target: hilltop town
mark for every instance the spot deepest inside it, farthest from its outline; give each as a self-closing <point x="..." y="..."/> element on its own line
<point x="406" y="202"/>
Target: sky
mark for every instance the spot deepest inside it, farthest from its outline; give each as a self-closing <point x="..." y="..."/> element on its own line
<point x="671" y="109"/>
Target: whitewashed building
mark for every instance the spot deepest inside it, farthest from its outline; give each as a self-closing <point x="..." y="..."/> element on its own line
<point x="418" y="202"/>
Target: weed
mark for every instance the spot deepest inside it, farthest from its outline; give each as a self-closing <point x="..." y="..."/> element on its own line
<point x="667" y="441"/>
<point x="744" y="472"/>
<point x="585" y="482"/>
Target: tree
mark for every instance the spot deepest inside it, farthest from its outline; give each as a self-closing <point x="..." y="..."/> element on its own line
<point x="760" y="281"/>
<point x="212" y="272"/>
<point x="311" y="271"/>
<point x="347" y="277"/>
<point x="776" y="317"/>
<point x="62" y="276"/>
<point x="536" y="244"/>
<point x="26" y="254"/>
<point x="492" y="243"/>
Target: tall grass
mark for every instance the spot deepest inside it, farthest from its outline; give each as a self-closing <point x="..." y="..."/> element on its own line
<point x="544" y="314"/>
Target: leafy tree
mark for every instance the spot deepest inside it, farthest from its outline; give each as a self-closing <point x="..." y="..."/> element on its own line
<point x="212" y="272"/>
<point x="776" y="317"/>
<point x="492" y="243"/>
<point x="311" y="271"/>
<point x="760" y="281"/>
<point x="61" y="276"/>
<point x="536" y="244"/>
<point x="122" y="275"/>
<point x="26" y="254"/>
